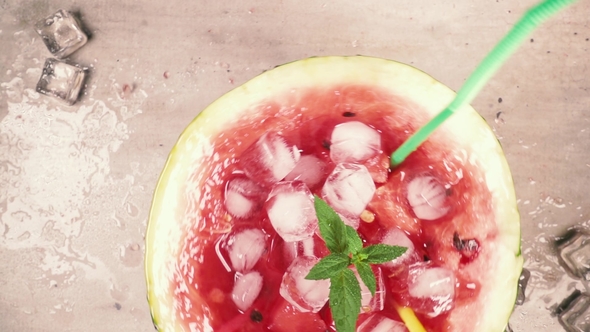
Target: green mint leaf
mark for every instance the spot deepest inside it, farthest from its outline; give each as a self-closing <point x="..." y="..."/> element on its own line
<point x="329" y="267"/>
<point x="331" y="226"/>
<point x="355" y="244"/>
<point x="381" y="253"/>
<point x="367" y="276"/>
<point x="345" y="300"/>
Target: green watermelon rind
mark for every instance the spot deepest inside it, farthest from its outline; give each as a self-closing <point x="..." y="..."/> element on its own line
<point x="167" y="223"/>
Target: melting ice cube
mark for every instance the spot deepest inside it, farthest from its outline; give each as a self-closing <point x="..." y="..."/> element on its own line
<point x="574" y="253"/>
<point x="291" y="211"/>
<point x="348" y="189"/>
<point x="246" y="289"/>
<point x="576" y="315"/>
<point x="380" y="323"/>
<point x="242" y="197"/>
<point x="245" y="249"/>
<point x="370" y="303"/>
<point x="354" y="142"/>
<point x="522" y="282"/>
<point x="427" y="198"/>
<point x="309" y="169"/>
<point x="269" y="159"/>
<point x="397" y="237"/>
<point x="353" y="222"/>
<point x="432" y="289"/>
<point x="61" y="33"/>
<point x="61" y="80"/>
<point x="305" y="295"/>
<point x="313" y="246"/>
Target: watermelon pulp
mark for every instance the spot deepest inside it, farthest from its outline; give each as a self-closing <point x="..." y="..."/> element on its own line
<point x="477" y="237"/>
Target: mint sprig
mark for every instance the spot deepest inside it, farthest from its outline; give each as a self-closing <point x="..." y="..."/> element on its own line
<point x="346" y="249"/>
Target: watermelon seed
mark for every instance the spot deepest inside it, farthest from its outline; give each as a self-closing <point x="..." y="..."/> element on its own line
<point x="348" y="114"/>
<point x="256" y="316"/>
<point x="326" y="144"/>
<point x="426" y="258"/>
<point x="468" y="248"/>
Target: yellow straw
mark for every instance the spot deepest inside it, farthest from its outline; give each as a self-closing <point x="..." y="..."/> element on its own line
<point x="410" y="319"/>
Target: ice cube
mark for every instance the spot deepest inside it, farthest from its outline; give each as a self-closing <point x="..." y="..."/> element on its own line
<point x="292" y="250"/>
<point x="427" y="197"/>
<point x="61" y="80"/>
<point x="245" y="248"/>
<point x="246" y="289"/>
<point x="380" y="323"/>
<point x="576" y="315"/>
<point x="574" y="253"/>
<point x="348" y="189"/>
<point x="353" y="222"/>
<point x="291" y="211"/>
<point x="397" y="237"/>
<point x="370" y="303"/>
<point x="242" y="197"/>
<point x="431" y="289"/>
<point x="61" y="33"/>
<point x="522" y="282"/>
<point x="269" y="159"/>
<point x="305" y="295"/>
<point x="309" y="169"/>
<point x="354" y="142"/>
<point x="313" y="246"/>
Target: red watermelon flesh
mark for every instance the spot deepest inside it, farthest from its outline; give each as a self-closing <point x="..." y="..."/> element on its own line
<point x="308" y="125"/>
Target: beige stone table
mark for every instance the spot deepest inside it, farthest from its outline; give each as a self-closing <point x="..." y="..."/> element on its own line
<point x="76" y="182"/>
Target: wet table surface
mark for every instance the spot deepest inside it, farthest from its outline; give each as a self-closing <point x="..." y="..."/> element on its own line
<point x="76" y="181"/>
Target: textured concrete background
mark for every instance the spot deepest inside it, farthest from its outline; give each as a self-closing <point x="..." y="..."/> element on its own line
<point x="76" y="182"/>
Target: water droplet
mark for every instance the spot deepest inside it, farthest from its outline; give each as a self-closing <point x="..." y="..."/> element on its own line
<point x="132" y="210"/>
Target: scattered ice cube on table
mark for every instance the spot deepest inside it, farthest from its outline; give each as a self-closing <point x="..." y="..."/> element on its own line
<point x="380" y="323"/>
<point x="242" y="197"/>
<point x="269" y="159"/>
<point x="61" y="80"/>
<point x="354" y="142"/>
<point x="574" y="253"/>
<point x="245" y="248"/>
<point x="522" y="282"/>
<point x="397" y="237"/>
<point x="427" y="197"/>
<point x="61" y="33"/>
<point x="348" y="189"/>
<point x="305" y="295"/>
<point x="576" y="316"/>
<point x="309" y="169"/>
<point x="432" y="289"/>
<point x="370" y="303"/>
<point x="291" y="211"/>
<point x="246" y="289"/>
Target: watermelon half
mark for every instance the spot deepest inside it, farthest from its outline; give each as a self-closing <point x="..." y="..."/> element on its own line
<point x="475" y="233"/>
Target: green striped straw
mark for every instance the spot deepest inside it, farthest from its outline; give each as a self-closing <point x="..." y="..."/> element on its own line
<point x="490" y="64"/>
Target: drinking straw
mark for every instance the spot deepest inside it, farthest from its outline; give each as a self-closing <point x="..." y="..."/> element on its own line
<point x="409" y="318"/>
<point x="490" y="64"/>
